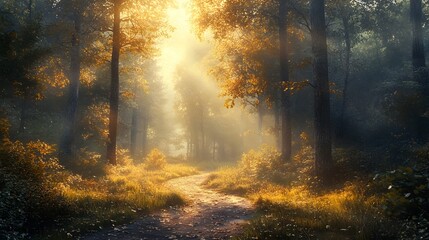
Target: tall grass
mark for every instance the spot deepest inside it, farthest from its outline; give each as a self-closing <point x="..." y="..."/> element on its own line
<point x="289" y="206"/>
<point x="125" y="193"/>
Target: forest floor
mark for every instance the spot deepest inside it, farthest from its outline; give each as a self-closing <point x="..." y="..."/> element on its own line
<point x="208" y="215"/>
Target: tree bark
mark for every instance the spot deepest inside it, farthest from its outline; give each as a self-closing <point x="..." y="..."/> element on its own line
<point x="144" y="135"/>
<point x="24" y="108"/>
<point x="134" y="133"/>
<point x="277" y="109"/>
<point x="260" y="121"/>
<point x="67" y="146"/>
<point x="322" y="118"/>
<point x="203" y="142"/>
<point x="30" y="10"/>
<point x="26" y="98"/>
<point x="114" y="85"/>
<point x="214" y="151"/>
<point x="347" y="41"/>
<point x="286" y="131"/>
<point x="420" y="73"/>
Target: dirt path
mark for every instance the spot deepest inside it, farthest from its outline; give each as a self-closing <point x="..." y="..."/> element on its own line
<point x="209" y="215"/>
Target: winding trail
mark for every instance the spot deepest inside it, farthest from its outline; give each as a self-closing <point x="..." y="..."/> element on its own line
<point x="209" y="215"/>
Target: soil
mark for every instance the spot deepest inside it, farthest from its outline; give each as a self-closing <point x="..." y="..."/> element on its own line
<point x="208" y="215"/>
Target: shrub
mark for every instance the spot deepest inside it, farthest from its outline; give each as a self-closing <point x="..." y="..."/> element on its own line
<point x="28" y="193"/>
<point x="155" y="160"/>
<point x="263" y="163"/>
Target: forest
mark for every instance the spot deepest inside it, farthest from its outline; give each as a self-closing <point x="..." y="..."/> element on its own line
<point x="214" y="119"/>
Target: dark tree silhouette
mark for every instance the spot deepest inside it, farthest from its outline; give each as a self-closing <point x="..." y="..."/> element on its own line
<point x="284" y="75"/>
<point x="114" y="85"/>
<point x="322" y="118"/>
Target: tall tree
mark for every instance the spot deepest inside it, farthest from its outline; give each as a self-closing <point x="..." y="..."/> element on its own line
<point x="114" y="84"/>
<point x="322" y="112"/>
<point x="136" y="27"/>
<point x="284" y="77"/>
<point x="420" y="73"/>
<point x="67" y="146"/>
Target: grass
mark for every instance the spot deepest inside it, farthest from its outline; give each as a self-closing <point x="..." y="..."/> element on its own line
<point x="124" y="194"/>
<point x="290" y="208"/>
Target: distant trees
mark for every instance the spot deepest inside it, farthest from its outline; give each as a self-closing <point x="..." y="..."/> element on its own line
<point x="253" y="40"/>
<point x="262" y="56"/>
<point x="67" y="149"/>
<point x="20" y="52"/>
<point x="210" y="133"/>
<point x="79" y="35"/>
<point x="252" y="19"/>
<point x="134" y="31"/>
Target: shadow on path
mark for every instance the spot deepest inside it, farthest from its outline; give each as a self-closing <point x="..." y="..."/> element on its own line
<point x="209" y="215"/>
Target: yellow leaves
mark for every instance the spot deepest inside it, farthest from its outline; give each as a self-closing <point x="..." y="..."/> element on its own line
<point x="87" y="77"/>
<point x="4" y="128"/>
<point x="155" y="160"/>
<point x="229" y="103"/>
<point x="305" y="138"/>
<point x="97" y="120"/>
<point x="128" y="95"/>
<point x="41" y="148"/>
<point x="295" y="86"/>
<point x="39" y="97"/>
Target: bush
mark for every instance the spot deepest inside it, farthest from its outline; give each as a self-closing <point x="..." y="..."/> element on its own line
<point x="263" y="163"/>
<point x="155" y="160"/>
<point x="28" y="193"/>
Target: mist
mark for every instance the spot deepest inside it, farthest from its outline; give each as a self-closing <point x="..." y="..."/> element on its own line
<point x="205" y="119"/>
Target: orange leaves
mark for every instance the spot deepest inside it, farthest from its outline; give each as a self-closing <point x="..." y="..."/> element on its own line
<point x="4" y="128"/>
<point x="40" y="148"/>
<point x="97" y="121"/>
<point x="295" y="86"/>
<point x="143" y="23"/>
<point x="87" y="77"/>
<point x="229" y="103"/>
<point x="128" y="95"/>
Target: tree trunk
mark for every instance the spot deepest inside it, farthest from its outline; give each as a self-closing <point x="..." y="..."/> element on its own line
<point x="420" y="73"/>
<point x="322" y="118"/>
<point x="24" y="108"/>
<point x="30" y="10"/>
<point x="277" y="123"/>
<point x="67" y="145"/>
<point x="144" y="135"/>
<point x="203" y="143"/>
<point x="214" y="151"/>
<point x="221" y="152"/>
<point x="26" y="98"/>
<point x="260" y="123"/>
<point x="347" y="74"/>
<point x="134" y="133"/>
<point x="286" y="131"/>
<point x="114" y="85"/>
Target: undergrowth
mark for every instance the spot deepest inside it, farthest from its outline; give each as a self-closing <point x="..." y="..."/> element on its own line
<point x="123" y="194"/>
<point x="39" y="199"/>
<point x="292" y="205"/>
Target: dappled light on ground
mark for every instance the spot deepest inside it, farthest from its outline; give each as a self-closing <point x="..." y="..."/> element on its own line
<point x="207" y="215"/>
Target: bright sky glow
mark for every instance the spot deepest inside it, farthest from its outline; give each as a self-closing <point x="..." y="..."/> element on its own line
<point x="181" y="48"/>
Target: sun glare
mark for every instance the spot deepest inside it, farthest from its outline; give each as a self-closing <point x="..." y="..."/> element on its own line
<point x="175" y="48"/>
